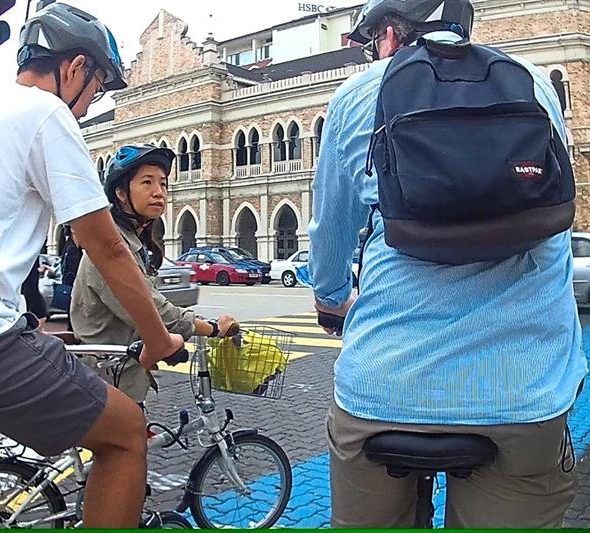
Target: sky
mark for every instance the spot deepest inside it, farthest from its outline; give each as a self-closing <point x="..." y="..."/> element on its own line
<point x="127" y="19"/>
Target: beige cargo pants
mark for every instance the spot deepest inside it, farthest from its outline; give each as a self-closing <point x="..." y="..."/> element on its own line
<point x="526" y="487"/>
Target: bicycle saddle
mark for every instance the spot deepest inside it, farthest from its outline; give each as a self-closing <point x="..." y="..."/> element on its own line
<point x="427" y="453"/>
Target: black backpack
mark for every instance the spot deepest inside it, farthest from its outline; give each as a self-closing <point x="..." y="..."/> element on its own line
<point x="469" y="165"/>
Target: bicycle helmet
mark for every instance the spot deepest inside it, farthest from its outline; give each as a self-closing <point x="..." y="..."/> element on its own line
<point x="423" y="15"/>
<point x="60" y="28"/>
<point x="129" y="158"/>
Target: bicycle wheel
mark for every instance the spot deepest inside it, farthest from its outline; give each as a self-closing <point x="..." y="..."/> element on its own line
<point x="15" y="486"/>
<point x="263" y="467"/>
<point x="172" y="520"/>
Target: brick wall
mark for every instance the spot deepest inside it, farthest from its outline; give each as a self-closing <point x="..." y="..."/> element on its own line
<point x="166" y="50"/>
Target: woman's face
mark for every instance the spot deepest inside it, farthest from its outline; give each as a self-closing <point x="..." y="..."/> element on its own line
<point x="148" y="189"/>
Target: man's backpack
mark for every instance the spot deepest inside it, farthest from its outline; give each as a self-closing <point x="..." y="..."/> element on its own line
<point x="469" y="165"/>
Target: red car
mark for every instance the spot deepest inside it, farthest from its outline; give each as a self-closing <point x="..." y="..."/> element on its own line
<point x="212" y="267"/>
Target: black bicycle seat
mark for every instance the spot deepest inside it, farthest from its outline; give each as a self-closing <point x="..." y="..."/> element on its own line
<point x="427" y="453"/>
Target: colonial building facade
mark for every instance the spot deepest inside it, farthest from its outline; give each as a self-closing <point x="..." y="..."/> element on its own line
<point x="247" y="138"/>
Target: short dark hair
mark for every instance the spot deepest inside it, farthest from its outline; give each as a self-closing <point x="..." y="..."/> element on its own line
<point x="404" y="32"/>
<point x="47" y="65"/>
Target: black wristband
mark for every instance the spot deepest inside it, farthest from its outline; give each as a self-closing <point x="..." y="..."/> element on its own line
<point x="215" y="327"/>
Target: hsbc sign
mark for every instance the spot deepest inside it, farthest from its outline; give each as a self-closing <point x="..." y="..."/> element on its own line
<point x="315" y="8"/>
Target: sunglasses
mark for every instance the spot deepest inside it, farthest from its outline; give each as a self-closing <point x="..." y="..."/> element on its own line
<point x="100" y="92"/>
<point x="370" y="50"/>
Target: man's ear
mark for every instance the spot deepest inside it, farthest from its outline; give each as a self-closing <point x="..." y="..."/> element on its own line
<point x="74" y="68"/>
<point x="389" y="44"/>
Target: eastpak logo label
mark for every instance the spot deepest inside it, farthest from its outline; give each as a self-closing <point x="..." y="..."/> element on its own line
<point x="527" y="170"/>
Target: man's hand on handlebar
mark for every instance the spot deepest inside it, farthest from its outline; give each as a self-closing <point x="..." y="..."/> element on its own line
<point x="224" y="326"/>
<point x="176" y="345"/>
<point x="332" y="318"/>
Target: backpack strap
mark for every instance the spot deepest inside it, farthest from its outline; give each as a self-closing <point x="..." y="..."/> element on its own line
<point x="370" y="231"/>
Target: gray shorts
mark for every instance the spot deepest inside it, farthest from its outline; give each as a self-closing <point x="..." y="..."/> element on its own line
<point x="48" y="400"/>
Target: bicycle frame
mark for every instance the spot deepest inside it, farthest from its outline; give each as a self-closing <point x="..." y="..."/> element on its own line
<point x="207" y="421"/>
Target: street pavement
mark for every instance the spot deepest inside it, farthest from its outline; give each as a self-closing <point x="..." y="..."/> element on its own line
<point x="296" y="421"/>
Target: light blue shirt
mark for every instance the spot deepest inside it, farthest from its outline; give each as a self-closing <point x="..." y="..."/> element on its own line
<point x="479" y="344"/>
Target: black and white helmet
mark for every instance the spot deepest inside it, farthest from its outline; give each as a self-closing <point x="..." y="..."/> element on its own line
<point x="422" y="15"/>
<point x="60" y="28"/>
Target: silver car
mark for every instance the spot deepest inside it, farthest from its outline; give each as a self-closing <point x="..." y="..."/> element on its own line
<point x="172" y="281"/>
<point x="581" y="250"/>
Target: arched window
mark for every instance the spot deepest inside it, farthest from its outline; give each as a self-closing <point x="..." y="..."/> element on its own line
<point x="163" y="144"/>
<point x="294" y="142"/>
<point x="182" y="155"/>
<point x="195" y="153"/>
<point x="241" y="150"/>
<point x="317" y="133"/>
<point x="279" y="144"/>
<point x="254" y="147"/>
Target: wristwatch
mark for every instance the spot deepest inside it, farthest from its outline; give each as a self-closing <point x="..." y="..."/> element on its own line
<point x="215" y="327"/>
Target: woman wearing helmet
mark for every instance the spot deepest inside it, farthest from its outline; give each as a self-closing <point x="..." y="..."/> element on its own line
<point x="136" y="185"/>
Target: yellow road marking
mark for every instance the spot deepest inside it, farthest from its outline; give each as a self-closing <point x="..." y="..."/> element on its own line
<point x="184" y="368"/>
<point x="292" y="329"/>
<point x="283" y="319"/>
<point x="85" y="455"/>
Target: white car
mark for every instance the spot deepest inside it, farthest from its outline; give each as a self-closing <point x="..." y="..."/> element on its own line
<point x="284" y="269"/>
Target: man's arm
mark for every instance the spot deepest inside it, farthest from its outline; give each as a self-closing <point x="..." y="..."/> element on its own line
<point x="110" y="254"/>
<point x="337" y="214"/>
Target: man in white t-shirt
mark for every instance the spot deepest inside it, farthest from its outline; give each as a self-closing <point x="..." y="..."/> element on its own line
<point x="48" y="400"/>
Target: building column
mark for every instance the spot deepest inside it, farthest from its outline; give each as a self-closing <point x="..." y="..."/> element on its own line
<point x="265" y="251"/>
<point x="202" y="229"/>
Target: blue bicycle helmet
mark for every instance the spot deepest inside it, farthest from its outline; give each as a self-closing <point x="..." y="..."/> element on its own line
<point x="129" y="158"/>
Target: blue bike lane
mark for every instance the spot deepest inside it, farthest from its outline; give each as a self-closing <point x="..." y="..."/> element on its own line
<point x="309" y="506"/>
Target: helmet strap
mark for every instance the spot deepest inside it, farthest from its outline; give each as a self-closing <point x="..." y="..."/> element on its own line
<point x="90" y="72"/>
<point x="134" y="217"/>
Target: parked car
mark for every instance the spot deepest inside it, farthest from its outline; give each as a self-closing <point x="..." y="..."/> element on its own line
<point x="213" y="267"/>
<point x="284" y="269"/>
<point x="172" y="281"/>
<point x="234" y="254"/>
<point x="581" y="250"/>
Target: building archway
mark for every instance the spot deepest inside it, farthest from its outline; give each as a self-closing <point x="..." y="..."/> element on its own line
<point x="285" y="232"/>
<point x="188" y="232"/>
<point x="246" y="229"/>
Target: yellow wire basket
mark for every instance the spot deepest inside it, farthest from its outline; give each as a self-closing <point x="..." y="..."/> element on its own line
<point x="254" y="363"/>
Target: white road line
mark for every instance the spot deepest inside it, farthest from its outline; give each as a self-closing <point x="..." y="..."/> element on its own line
<point x="163" y="483"/>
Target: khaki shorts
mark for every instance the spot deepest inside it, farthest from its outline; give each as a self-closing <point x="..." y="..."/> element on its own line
<point x="526" y="487"/>
<point x="48" y="399"/>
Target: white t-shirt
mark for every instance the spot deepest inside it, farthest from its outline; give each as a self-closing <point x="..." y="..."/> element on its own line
<point x="45" y="167"/>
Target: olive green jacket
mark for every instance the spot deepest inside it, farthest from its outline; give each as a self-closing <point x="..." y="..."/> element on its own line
<point x="98" y="318"/>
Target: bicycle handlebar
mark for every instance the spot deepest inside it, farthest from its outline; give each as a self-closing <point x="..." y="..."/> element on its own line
<point x="180" y="356"/>
<point x="133" y="351"/>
